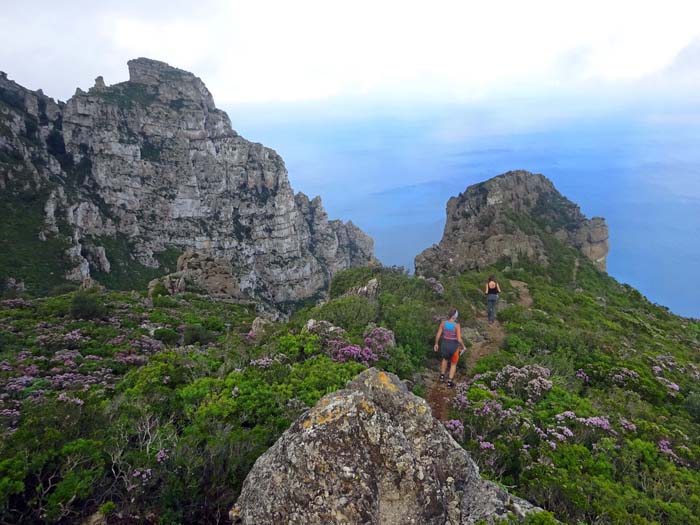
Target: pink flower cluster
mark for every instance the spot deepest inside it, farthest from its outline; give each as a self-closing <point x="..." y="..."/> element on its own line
<point x="665" y="448"/>
<point x="263" y="362"/>
<point x="530" y="381"/>
<point x="362" y="355"/>
<point x="162" y="455"/>
<point x="599" y="422"/>
<point x="456" y="428"/>
<point x="672" y="387"/>
<point x="68" y="399"/>
<point x="623" y="375"/>
<point x="380" y="340"/>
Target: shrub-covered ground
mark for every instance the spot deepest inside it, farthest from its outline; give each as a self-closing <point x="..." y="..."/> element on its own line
<point x="154" y="411"/>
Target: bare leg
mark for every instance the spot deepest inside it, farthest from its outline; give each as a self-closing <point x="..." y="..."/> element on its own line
<point x="443" y="366"/>
<point x="453" y="369"/>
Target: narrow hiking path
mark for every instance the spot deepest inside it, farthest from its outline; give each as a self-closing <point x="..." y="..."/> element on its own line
<point x="491" y="338"/>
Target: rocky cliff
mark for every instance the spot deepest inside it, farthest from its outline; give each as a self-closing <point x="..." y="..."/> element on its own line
<point x="371" y="453"/>
<point x="507" y="217"/>
<point x="126" y="177"/>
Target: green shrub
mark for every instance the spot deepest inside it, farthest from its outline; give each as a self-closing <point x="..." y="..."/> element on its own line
<point x="108" y="508"/>
<point x="298" y="347"/>
<point x="87" y="305"/>
<point x="348" y="279"/>
<point x="167" y="335"/>
<point x="196" y="333"/>
<point x="159" y="290"/>
<point x="214" y="323"/>
<point x="64" y="288"/>
<point x="692" y="405"/>
<point x="164" y="301"/>
<point x="352" y="313"/>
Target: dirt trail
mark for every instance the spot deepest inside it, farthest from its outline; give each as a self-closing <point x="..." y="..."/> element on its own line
<point x="438" y="394"/>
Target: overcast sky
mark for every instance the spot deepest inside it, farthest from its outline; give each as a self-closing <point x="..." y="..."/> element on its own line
<point x="267" y="51"/>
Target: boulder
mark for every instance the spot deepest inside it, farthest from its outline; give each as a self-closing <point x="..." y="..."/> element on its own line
<point x="373" y="454"/>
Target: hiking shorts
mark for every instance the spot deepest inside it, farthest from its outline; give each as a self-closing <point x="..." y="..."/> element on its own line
<point x="449" y="349"/>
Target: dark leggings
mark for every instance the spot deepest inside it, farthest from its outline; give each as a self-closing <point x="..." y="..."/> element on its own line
<point x="491" y="301"/>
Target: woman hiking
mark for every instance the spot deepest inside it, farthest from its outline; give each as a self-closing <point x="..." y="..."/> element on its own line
<point x="491" y="291"/>
<point x="449" y="340"/>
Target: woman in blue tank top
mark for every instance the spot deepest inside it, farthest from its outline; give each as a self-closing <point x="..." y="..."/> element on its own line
<point x="449" y="341"/>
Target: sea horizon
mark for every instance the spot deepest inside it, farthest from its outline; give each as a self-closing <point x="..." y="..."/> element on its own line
<point x="640" y="172"/>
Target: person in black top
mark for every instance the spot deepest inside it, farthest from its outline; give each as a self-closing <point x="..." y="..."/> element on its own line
<point x="491" y="291"/>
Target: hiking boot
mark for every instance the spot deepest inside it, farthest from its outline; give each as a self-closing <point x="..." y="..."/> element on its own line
<point x="442" y="378"/>
<point x="450" y="384"/>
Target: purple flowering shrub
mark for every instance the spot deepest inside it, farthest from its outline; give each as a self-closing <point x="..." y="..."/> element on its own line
<point x="530" y="382"/>
<point x="361" y="354"/>
<point x="380" y="341"/>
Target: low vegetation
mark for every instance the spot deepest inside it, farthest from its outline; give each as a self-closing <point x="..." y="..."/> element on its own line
<point x="155" y="410"/>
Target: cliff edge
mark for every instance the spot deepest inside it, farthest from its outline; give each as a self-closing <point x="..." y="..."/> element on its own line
<point x="503" y="218"/>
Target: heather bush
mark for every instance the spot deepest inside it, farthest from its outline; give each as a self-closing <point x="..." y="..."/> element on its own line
<point x="351" y="313"/>
<point x="167" y="336"/>
<point x="87" y="305"/>
<point x="196" y="333"/>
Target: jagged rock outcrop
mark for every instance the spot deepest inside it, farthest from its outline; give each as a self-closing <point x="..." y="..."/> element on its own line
<point x="373" y="454"/>
<point x="502" y="218"/>
<point x="129" y="173"/>
<point x="199" y="272"/>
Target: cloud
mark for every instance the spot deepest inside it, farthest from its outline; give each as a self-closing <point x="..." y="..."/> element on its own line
<point x="272" y="50"/>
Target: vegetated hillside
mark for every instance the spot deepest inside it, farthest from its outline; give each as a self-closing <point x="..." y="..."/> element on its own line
<point x="590" y="410"/>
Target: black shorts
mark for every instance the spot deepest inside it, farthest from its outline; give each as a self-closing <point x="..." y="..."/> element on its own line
<point x="448" y="347"/>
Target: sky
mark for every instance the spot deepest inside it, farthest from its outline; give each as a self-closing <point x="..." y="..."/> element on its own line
<point x="400" y="52"/>
<point x="413" y="101"/>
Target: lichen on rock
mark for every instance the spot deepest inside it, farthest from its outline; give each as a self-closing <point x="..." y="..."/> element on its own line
<point x="371" y="453"/>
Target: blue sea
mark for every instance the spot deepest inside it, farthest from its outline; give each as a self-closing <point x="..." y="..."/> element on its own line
<point x="392" y="176"/>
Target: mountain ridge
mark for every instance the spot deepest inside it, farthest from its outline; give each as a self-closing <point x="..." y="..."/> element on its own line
<point x="506" y="217"/>
<point x="142" y="168"/>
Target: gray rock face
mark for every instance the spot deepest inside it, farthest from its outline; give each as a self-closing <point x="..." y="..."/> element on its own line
<point x="500" y="218"/>
<point x="373" y="454"/>
<point x="153" y="161"/>
<point x="198" y="272"/>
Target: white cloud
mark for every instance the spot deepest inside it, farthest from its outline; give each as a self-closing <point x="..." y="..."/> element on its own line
<point x="272" y="50"/>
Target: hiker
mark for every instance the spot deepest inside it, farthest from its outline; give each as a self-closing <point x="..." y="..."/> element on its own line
<point x="491" y="291"/>
<point x="449" y="341"/>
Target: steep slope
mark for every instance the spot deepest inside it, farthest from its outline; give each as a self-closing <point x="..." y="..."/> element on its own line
<point x="504" y="218"/>
<point x="138" y="172"/>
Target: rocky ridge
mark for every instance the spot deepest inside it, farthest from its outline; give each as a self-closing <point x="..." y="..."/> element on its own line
<point x="131" y="173"/>
<point x="504" y="217"/>
<point x="371" y="453"/>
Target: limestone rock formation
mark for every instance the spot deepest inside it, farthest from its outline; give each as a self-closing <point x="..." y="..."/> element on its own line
<point x="373" y="454"/>
<point x="131" y="173"/>
<point x="199" y="272"/>
<point x="501" y="218"/>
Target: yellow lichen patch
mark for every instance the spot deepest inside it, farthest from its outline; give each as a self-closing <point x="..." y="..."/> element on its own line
<point x="323" y="418"/>
<point x="386" y="382"/>
<point x="421" y="409"/>
<point x="365" y="406"/>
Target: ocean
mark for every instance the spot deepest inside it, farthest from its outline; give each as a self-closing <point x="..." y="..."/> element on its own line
<point x="392" y="176"/>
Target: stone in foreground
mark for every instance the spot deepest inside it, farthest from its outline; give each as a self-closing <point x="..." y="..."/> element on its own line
<point x="373" y="454"/>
